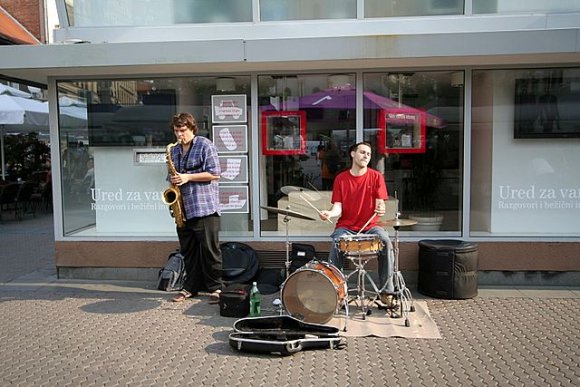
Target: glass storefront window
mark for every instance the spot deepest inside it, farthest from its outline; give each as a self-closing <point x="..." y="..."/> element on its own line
<point x="391" y="8"/>
<point x="509" y="6"/>
<point x="525" y="152"/>
<point x="113" y="135"/>
<point x="275" y="10"/>
<point x="415" y="122"/>
<point x="307" y="123"/>
<point x="98" y="13"/>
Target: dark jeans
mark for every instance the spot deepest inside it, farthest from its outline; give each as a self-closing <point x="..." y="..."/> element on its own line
<point x="200" y="245"/>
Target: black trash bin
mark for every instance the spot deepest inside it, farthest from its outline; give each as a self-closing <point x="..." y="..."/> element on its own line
<point x="447" y="269"/>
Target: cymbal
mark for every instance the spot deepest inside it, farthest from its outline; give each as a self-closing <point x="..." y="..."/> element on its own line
<point x="292" y="188"/>
<point x="398" y="223"/>
<point x="308" y="194"/>
<point x="283" y="211"/>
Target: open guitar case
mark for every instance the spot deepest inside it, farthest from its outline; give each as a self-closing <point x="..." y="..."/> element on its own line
<point x="282" y="335"/>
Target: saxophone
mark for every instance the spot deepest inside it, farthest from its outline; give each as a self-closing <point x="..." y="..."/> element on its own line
<point x="172" y="195"/>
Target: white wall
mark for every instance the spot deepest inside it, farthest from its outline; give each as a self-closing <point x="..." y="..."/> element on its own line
<point x="128" y="196"/>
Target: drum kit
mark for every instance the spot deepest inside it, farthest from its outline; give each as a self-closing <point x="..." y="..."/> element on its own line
<point x="317" y="291"/>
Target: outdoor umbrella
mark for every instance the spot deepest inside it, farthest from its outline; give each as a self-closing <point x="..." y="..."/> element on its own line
<point x="346" y="99"/>
<point x="7" y="90"/>
<point x="19" y="113"/>
<point x="72" y="113"/>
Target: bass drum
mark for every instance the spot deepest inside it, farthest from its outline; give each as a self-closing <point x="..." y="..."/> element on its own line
<point x="315" y="292"/>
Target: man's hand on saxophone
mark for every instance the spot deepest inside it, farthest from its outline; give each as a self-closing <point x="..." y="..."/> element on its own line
<point x="182" y="178"/>
<point x="179" y="179"/>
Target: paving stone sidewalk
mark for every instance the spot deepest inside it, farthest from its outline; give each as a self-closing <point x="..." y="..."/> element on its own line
<point x="89" y="333"/>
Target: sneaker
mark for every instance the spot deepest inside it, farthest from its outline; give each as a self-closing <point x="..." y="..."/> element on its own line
<point x="389" y="300"/>
<point x="214" y="297"/>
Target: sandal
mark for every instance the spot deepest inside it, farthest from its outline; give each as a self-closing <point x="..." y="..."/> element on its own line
<point x="182" y="296"/>
<point x="214" y="298"/>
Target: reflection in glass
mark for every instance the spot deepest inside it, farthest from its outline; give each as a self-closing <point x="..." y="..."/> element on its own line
<point x="327" y="104"/>
<point x="509" y="6"/>
<point x="273" y="10"/>
<point x="422" y="166"/>
<point x="102" y="13"/>
<point x="392" y="8"/>
<point x="113" y="135"/>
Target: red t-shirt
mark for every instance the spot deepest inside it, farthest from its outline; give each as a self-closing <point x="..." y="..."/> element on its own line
<point x="357" y="195"/>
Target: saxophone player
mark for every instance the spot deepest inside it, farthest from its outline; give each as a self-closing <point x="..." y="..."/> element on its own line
<point x="197" y="171"/>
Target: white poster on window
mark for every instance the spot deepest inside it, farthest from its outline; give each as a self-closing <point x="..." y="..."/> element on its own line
<point x="230" y="138"/>
<point x="234" y="169"/>
<point x="228" y="109"/>
<point x="234" y="199"/>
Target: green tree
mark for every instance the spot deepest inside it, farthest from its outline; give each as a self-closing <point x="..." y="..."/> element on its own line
<point x="25" y="154"/>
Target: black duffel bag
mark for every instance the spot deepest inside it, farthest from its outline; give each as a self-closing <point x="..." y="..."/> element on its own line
<point x="240" y="263"/>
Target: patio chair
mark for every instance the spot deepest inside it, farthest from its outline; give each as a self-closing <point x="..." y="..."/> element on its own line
<point x="24" y="201"/>
<point x="8" y="195"/>
<point x="42" y="198"/>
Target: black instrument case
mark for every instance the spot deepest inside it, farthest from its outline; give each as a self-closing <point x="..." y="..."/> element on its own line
<point x="282" y="335"/>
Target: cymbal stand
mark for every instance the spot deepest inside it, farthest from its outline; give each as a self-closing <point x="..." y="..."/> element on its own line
<point x="402" y="293"/>
<point x="287" y="263"/>
<point x="359" y="261"/>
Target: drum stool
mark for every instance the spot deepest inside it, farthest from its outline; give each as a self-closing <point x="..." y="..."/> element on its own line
<point x="360" y="297"/>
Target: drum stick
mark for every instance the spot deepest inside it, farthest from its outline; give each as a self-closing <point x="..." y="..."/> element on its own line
<point x="311" y="205"/>
<point x="367" y="223"/>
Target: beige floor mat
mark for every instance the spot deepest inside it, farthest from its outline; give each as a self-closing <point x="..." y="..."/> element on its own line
<point x="380" y="324"/>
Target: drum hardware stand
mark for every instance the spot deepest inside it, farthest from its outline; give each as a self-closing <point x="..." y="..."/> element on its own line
<point x="287" y="263"/>
<point x="288" y="214"/>
<point x="401" y="292"/>
<point x="277" y="303"/>
<point x="361" y="276"/>
<point x="345" y="305"/>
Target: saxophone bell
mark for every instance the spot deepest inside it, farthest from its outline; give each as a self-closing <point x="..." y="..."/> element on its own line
<point x="170" y="196"/>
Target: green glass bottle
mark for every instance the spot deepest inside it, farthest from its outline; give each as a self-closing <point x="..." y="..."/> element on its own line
<point x="255" y="300"/>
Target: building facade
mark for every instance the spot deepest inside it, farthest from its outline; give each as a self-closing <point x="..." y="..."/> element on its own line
<point x="471" y="108"/>
<point x="29" y="14"/>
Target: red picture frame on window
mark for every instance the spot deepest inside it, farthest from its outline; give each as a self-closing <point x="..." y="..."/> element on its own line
<point x="284" y="132"/>
<point x="401" y="131"/>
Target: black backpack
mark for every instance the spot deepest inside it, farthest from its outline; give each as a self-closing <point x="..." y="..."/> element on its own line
<point x="172" y="276"/>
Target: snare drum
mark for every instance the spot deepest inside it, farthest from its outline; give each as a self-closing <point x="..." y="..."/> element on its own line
<point x="315" y="292"/>
<point x="361" y="244"/>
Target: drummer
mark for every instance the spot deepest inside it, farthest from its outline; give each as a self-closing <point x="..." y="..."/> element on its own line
<point x="358" y="200"/>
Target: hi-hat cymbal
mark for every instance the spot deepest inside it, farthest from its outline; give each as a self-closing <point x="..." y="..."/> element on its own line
<point x="398" y="223"/>
<point x="283" y="211"/>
